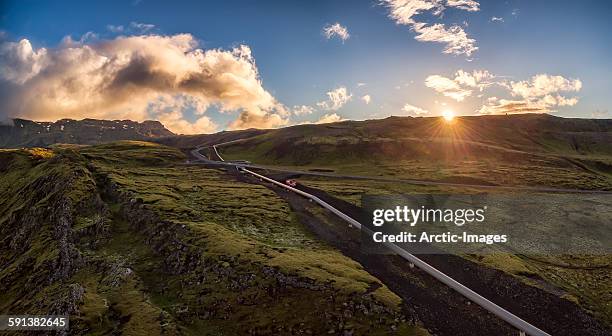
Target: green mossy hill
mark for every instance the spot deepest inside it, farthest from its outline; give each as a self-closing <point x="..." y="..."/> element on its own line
<point x="511" y="150"/>
<point x="41" y="192"/>
<point x="126" y="239"/>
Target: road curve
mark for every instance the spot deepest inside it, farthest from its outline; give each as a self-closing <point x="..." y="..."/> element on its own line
<point x="517" y="322"/>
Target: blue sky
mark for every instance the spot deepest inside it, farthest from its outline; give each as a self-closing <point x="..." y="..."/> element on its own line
<point x="298" y="65"/>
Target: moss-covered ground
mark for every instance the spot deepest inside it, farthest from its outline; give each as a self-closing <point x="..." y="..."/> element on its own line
<point x="146" y="245"/>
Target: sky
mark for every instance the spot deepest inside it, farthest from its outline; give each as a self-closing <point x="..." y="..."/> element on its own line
<point x="204" y="66"/>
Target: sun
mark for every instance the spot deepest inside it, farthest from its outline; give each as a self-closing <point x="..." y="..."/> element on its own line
<point x="448" y="115"/>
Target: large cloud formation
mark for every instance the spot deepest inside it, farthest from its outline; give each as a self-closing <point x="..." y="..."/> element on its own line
<point x="454" y="37"/>
<point x="136" y="77"/>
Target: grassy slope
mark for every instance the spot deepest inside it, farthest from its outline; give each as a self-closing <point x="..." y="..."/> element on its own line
<point x="187" y="251"/>
<point x="510" y="150"/>
<point x="38" y="192"/>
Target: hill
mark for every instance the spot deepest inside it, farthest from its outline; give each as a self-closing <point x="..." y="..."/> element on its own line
<point x="27" y="133"/>
<point x="516" y="149"/>
<point x="126" y="239"/>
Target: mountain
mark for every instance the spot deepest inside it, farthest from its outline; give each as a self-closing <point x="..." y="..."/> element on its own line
<point x="27" y="133"/>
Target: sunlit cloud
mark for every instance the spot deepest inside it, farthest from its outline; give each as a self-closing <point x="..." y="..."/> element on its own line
<point x="366" y="99"/>
<point x="123" y="78"/>
<point x="543" y="84"/>
<point x="19" y="62"/>
<point x="336" y="98"/>
<point x="336" y="30"/>
<point x="302" y="109"/>
<point x="505" y="106"/>
<point x="168" y="110"/>
<point x="454" y="37"/>
<point x="478" y="79"/>
<point x="414" y="110"/>
<point x="468" y="5"/>
<point x="497" y="19"/>
<point x="541" y="94"/>
<point x="329" y="118"/>
<point x="462" y="85"/>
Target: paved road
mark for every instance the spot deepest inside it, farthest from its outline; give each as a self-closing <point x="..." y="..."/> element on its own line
<point x="517" y="322"/>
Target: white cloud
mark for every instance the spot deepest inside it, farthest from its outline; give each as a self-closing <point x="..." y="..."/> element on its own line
<point x="447" y="87"/>
<point x="402" y="11"/>
<point x="366" y="98"/>
<point x="543" y="84"/>
<point x="360" y="84"/>
<point x="468" y="5"/>
<point x="497" y="19"/>
<point x="329" y="118"/>
<point x="454" y="37"/>
<point x="122" y="78"/>
<point x="115" y="29"/>
<point x="562" y="101"/>
<point x="19" y="62"/>
<point x="141" y="27"/>
<point x="168" y="110"/>
<point x="336" y="99"/>
<point x="462" y="85"/>
<point x="479" y="79"/>
<point x="302" y="109"/>
<point x="132" y="28"/>
<point x="414" y="110"/>
<point x="540" y="94"/>
<point x="336" y="30"/>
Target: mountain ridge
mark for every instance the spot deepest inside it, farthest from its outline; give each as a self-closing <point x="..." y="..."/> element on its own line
<point x="29" y="133"/>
